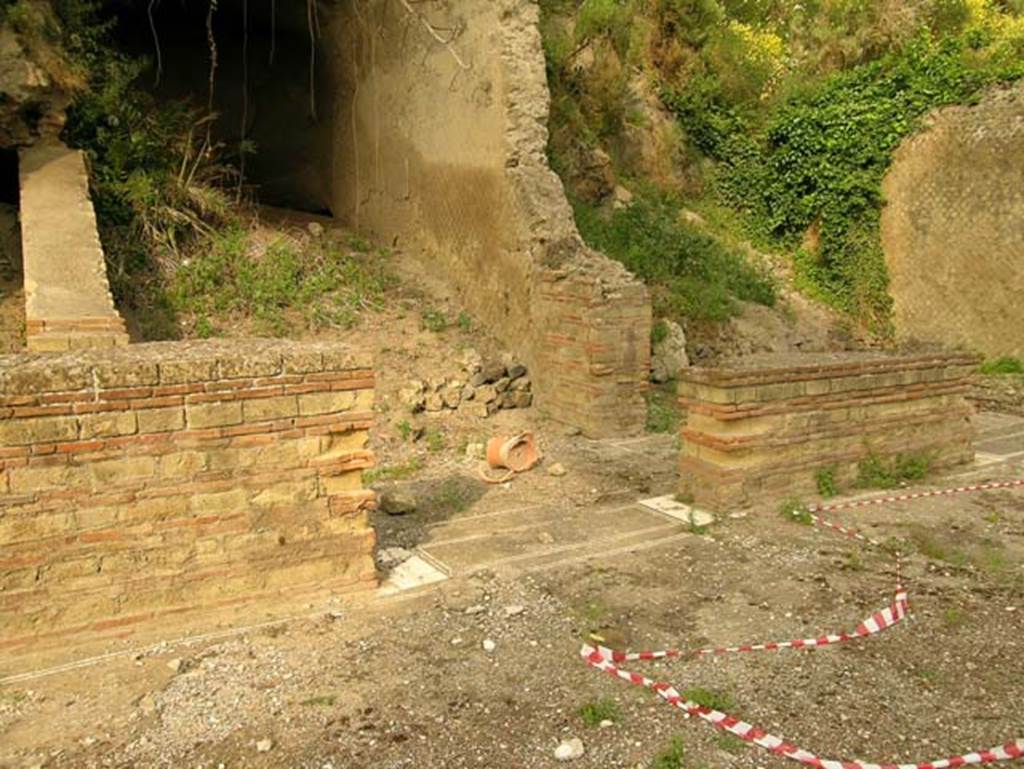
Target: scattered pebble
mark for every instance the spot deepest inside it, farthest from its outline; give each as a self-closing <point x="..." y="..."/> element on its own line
<point x="569" y="750"/>
<point x="514" y="610"/>
<point x="489" y="645"/>
<point x="557" y="470"/>
<point x="264" y="745"/>
<point x="175" y="665"/>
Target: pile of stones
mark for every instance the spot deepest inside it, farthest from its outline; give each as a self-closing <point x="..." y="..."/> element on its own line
<point x="488" y="387"/>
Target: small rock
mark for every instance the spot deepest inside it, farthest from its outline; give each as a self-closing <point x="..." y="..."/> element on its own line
<point x="478" y="379"/>
<point x="523" y="384"/>
<point x="569" y="750"/>
<point x="606" y="724"/>
<point x="477" y="608"/>
<point x="514" y="610"/>
<point x="502" y="384"/>
<point x="471" y="360"/>
<point x="175" y="665"/>
<point x="468" y="393"/>
<point x="315" y="229"/>
<point x="264" y="746"/>
<point x="434" y="402"/>
<point x="546" y="538"/>
<point x="397" y="503"/>
<point x="487" y="394"/>
<point x="557" y="470"/>
<point x="668" y="355"/>
<point x="452" y="397"/>
<point x="522" y="400"/>
<point x="474" y="451"/>
<point x="480" y="410"/>
<point x="489" y="645"/>
<point x="621" y="198"/>
<point x="456" y="641"/>
<point x="507" y="400"/>
<point x="434" y="384"/>
<point x="390" y="557"/>
<point x="516" y="371"/>
<point x="492" y="371"/>
<point x="412" y="396"/>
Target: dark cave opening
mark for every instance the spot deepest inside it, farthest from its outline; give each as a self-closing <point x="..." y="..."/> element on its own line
<point x="9" y="187"/>
<point x="262" y="94"/>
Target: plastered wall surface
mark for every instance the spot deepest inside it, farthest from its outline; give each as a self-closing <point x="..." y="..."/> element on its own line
<point x="441" y="149"/>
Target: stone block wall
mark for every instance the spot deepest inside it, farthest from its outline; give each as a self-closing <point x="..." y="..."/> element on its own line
<point x="160" y="479"/>
<point x="1003" y="393"/>
<point x="757" y="433"/>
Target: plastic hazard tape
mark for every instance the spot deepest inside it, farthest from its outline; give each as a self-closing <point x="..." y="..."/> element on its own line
<point x="600" y="659"/>
<point x="608" y="661"/>
<point x="917" y="495"/>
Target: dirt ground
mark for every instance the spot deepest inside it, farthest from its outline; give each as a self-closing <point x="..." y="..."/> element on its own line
<point x="539" y="566"/>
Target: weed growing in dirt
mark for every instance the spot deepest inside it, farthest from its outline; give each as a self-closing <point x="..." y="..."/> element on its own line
<point x="662" y="410"/>
<point x="320" y="701"/>
<point x="319" y="283"/>
<point x="825" y="479"/>
<point x="405" y="429"/>
<point x="452" y="497"/>
<point x="1000" y="366"/>
<point x="853" y="562"/>
<point x="434" y="320"/>
<point x="953" y="617"/>
<point x="607" y="709"/>
<point x="796" y="511"/>
<point x="708" y="698"/>
<point x="393" y="472"/>
<point x="876" y="472"/>
<point x="435" y="439"/>
<point x="465" y="322"/>
<point x="672" y="757"/>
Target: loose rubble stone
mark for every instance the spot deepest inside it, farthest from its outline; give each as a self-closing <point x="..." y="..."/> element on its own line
<point x="516" y="371"/>
<point x="393" y="556"/>
<point x="452" y="397"/>
<point x="435" y="402"/>
<point x="502" y="384"/>
<point x="522" y="400"/>
<point x="556" y="470"/>
<point x="523" y="384"/>
<point x="478" y="379"/>
<point x="489" y="645"/>
<point x="514" y="611"/>
<point x="264" y="746"/>
<point x="468" y="393"/>
<point x="434" y="384"/>
<point x="315" y="229"/>
<point x="413" y="396"/>
<point x="475" y="450"/>
<point x="175" y="665"/>
<point x="569" y="750"/>
<point x="397" y="503"/>
<point x="479" y="409"/>
<point x="486" y="394"/>
<point x="669" y="354"/>
<point x="493" y="370"/>
<point x="477" y="608"/>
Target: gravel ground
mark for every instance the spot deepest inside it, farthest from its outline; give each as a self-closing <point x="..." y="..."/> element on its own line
<point x="409" y="684"/>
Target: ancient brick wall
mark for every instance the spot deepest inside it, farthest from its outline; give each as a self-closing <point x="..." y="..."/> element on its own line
<point x="161" y="479"/>
<point x="953" y="227"/>
<point x="758" y="432"/>
<point x="440" y="149"/>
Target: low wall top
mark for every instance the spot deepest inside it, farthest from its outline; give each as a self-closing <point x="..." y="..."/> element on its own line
<point x="795" y="367"/>
<point x="170" y="363"/>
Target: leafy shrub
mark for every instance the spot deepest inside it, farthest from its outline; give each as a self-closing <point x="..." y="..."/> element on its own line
<point x="662" y="410"/>
<point x="692" y="274"/>
<point x="825" y="479"/>
<point x="877" y="472"/>
<point x="795" y="511"/>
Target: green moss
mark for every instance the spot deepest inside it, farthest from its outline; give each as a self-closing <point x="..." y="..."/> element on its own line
<point x="1003" y="366"/>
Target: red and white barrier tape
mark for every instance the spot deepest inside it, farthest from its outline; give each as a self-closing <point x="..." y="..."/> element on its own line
<point x="607" y="661"/>
<point x="917" y="495"/>
<point x="599" y="659"/>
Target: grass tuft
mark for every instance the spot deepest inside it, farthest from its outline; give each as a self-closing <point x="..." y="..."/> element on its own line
<point x="593" y="713"/>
